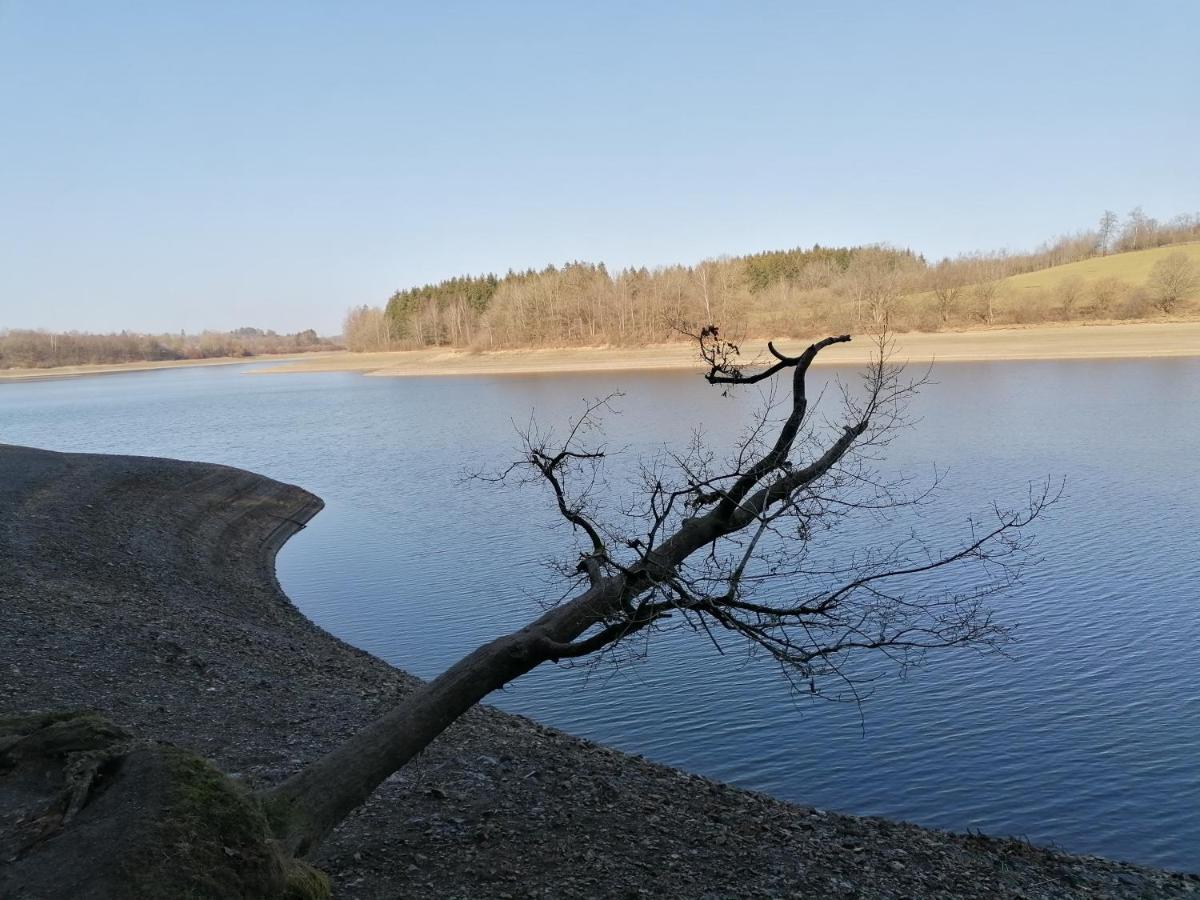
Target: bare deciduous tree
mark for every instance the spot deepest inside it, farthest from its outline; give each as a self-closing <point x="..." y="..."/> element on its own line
<point x="987" y="274"/>
<point x="1106" y="232"/>
<point x="1140" y="230"/>
<point x="874" y="283"/>
<point x="366" y="328"/>
<point x="721" y="545"/>
<point x="948" y="282"/>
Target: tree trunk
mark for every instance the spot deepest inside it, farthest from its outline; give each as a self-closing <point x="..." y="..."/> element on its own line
<point x="308" y="806"/>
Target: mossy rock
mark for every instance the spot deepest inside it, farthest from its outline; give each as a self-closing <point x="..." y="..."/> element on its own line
<point x="87" y="812"/>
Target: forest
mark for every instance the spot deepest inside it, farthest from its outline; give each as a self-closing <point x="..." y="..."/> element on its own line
<point x="786" y="293"/>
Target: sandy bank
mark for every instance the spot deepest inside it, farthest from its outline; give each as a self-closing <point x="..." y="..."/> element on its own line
<point x="141" y="366"/>
<point x="1119" y="341"/>
<point x="145" y="588"/>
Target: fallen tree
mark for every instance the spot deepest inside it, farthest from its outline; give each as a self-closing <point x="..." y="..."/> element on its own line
<point x="700" y="548"/>
<point x="724" y="546"/>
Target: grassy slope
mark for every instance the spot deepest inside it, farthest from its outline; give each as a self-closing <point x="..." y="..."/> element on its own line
<point x="1132" y="267"/>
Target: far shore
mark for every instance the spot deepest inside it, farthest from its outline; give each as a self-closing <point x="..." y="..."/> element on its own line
<point x="1120" y="340"/>
<point x="1043" y="342"/>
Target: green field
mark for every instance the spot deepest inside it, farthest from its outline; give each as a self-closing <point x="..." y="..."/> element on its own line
<point x="1132" y="267"/>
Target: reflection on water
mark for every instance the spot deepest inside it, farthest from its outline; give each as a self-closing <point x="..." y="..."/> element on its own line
<point x="1087" y="736"/>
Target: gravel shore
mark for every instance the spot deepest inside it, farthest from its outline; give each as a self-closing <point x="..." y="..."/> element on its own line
<point x="145" y="588"/>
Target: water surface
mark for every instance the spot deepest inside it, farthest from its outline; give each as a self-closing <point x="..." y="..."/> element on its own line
<point x="1087" y="736"/>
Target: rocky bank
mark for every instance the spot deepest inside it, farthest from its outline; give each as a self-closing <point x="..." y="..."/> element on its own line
<point x="145" y="588"/>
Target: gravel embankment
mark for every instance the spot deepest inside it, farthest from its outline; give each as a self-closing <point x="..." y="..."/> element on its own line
<point x="145" y="588"/>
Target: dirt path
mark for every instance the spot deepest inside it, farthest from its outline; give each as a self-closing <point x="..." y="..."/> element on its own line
<point x="145" y="588"/>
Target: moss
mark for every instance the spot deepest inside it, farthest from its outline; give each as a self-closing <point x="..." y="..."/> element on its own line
<point x="201" y="796"/>
<point x="303" y="882"/>
<point x="214" y="841"/>
<point x="155" y="822"/>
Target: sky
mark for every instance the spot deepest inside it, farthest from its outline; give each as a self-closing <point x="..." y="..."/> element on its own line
<point x="212" y="164"/>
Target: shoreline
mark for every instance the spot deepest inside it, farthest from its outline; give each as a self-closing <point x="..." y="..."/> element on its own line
<point x="149" y="365"/>
<point x="1063" y="342"/>
<point x="146" y="588"/>
<point x="1095" y="341"/>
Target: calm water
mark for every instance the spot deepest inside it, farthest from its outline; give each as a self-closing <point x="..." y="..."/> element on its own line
<point x="1088" y="737"/>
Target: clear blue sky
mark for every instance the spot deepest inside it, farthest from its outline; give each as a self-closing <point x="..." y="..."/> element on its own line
<point x="176" y="165"/>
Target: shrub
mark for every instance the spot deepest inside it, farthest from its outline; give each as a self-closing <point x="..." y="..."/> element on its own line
<point x="1172" y="281"/>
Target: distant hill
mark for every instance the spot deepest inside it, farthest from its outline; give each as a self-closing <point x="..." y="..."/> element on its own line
<point x="1099" y="275"/>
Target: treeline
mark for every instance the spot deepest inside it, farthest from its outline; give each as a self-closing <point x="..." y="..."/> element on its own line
<point x="46" y="349"/>
<point x="783" y="293"/>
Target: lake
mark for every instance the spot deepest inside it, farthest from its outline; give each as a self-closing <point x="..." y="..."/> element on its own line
<point x="1086" y="736"/>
